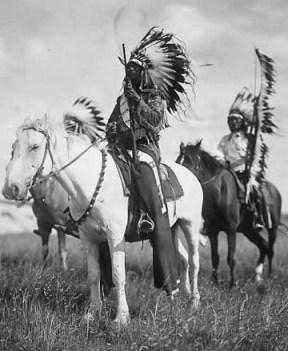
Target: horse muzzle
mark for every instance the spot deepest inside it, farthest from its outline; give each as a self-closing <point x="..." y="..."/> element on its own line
<point x="14" y="192"/>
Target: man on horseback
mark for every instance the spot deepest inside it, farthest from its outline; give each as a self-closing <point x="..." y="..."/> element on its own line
<point x="233" y="148"/>
<point x="154" y="74"/>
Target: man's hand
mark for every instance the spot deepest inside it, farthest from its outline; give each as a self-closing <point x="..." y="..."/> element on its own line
<point x="227" y="164"/>
<point x="112" y="128"/>
<point x="130" y="93"/>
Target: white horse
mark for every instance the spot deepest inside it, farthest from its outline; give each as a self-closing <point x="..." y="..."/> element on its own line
<point x="42" y="147"/>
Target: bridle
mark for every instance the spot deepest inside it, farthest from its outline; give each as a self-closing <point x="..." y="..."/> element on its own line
<point x="197" y="168"/>
<point x="39" y="177"/>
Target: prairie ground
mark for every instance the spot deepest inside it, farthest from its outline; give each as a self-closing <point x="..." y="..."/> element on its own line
<point x="44" y="310"/>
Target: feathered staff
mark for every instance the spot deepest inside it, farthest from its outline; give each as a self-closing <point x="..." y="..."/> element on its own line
<point x="262" y="123"/>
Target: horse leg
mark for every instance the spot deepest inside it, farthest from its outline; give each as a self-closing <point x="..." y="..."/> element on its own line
<point x="117" y="252"/>
<point x="94" y="281"/>
<point x="182" y="258"/>
<point x="213" y="237"/>
<point x="191" y="233"/>
<point x="231" y="237"/>
<point x="62" y="249"/>
<point x="272" y="232"/>
<point x="44" y="234"/>
<point x="254" y="236"/>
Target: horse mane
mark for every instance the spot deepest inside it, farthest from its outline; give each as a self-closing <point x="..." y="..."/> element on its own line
<point x="85" y="119"/>
<point x="210" y="162"/>
<point x="44" y="125"/>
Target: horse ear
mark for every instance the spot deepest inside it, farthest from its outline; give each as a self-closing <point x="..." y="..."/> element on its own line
<point x="27" y="120"/>
<point x="182" y="146"/>
<point x="199" y="143"/>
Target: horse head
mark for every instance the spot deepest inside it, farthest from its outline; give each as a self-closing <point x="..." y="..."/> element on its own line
<point x="29" y="153"/>
<point x="190" y="157"/>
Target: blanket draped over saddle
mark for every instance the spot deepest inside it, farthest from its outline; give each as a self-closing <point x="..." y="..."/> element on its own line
<point x="171" y="189"/>
<point x="264" y="197"/>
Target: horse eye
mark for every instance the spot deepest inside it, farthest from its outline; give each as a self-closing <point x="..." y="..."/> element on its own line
<point x="34" y="147"/>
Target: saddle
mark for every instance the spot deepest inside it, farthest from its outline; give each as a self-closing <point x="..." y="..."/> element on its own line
<point x="239" y="185"/>
<point x="258" y="200"/>
<point x="171" y="189"/>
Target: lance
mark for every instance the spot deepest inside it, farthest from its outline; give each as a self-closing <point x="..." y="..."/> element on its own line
<point x="131" y="117"/>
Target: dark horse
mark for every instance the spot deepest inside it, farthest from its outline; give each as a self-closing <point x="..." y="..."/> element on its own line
<point x="222" y="209"/>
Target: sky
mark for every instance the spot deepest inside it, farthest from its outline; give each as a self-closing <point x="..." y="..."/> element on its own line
<point x="52" y="52"/>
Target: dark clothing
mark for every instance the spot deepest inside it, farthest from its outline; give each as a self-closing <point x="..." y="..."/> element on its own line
<point x="256" y="202"/>
<point x="148" y="118"/>
<point x="164" y="259"/>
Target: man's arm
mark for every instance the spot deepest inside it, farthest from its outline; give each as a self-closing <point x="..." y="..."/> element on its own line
<point x="150" y="113"/>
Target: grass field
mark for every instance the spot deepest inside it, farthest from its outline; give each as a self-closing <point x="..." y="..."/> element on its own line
<point x="43" y="311"/>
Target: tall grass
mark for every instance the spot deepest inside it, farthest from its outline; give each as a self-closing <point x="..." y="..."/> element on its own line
<point x="44" y="310"/>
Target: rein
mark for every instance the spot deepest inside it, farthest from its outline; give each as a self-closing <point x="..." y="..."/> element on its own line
<point x="209" y="180"/>
<point x="40" y="177"/>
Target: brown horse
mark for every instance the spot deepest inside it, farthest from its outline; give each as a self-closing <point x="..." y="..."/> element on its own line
<point x="223" y="211"/>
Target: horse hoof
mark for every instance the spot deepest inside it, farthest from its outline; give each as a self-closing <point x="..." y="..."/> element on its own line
<point x="89" y="317"/>
<point x="121" y="321"/>
<point x="92" y="314"/>
<point x="215" y="279"/>
<point x="261" y="289"/>
<point x="194" y="304"/>
<point x="203" y="240"/>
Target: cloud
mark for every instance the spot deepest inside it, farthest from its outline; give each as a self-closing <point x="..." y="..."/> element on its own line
<point x="3" y="55"/>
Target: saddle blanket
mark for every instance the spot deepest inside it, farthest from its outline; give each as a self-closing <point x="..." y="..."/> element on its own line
<point x="172" y="189"/>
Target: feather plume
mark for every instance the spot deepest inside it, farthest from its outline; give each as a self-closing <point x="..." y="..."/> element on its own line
<point x="267" y="88"/>
<point x="262" y="123"/>
<point x="84" y="118"/>
<point x="166" y="66"/>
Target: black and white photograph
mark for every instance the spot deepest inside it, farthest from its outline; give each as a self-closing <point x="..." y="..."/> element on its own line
<point x="143" y="175"/>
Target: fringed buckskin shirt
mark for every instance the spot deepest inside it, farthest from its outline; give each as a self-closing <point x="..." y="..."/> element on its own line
<point x="233" y="147"/>
<point x="148" y="114"/>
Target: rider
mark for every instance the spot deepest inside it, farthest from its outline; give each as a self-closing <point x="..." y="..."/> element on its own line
<point x="233" y="146"/>
<point x="153" y="73"/>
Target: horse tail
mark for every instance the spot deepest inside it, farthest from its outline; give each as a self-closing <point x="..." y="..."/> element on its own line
<point x="85" y="118"/>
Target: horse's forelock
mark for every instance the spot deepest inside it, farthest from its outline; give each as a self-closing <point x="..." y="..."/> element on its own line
<point x="42" y="125"/>
<point x="195" y="154"/>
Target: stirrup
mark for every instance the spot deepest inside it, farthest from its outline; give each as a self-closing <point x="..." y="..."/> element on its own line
<point x="259" y="226"/>
<point x="145" y="224"/>
<point x="259" y="223"/>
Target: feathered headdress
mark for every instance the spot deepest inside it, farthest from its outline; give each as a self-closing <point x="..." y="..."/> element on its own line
<point x="84" y="118"/>
<point x="262" y="123"/>
<point x="243" y="105"/>
<point x="165" y="65"/>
